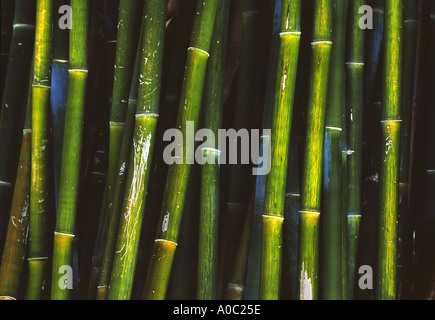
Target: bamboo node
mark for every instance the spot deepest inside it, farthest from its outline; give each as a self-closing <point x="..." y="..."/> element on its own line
<point x="64" y="234"/>
<point x="167" y="241"/>
<point x="315" y="43"/>
<point x="146" y="114"/>
<point x="198" y="49"/>
<point x="5" y="184"/>
<point x="296" y="33"/>
<point x="24" y="25"/>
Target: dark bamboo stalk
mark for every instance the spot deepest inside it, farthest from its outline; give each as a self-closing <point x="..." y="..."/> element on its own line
<point x="404" y="249"/>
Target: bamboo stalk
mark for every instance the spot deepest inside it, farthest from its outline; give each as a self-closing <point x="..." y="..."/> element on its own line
<point x="111" y="12"/>
<point x="7" y="16"/>
<point x="425" y="244"/>
<point x="39" y="186"/>
<point x="333" y="162"/>
<point x="404" y="249"/>
<point x="124" y="260"/>
<point x="354" y="110"/>
<point x="252" y="286"/>
<point x="121" y="130"/>
<point x="308" y="261"/>
<point x="14" y="253"/>
<point x="177" y="37"/>
<point x="178" y="175"/>
<point x="58" y="93"/>
<point x="389" y="162"/>
<point x="273" y="217"/>
<point x="71" y="155"/>
<point x="239" y="175"/>
<point x="373" y="52"/>
<point x="236" y="286"/>
<point x="291" y="217"/>
<point x="210" y="180"/>
<point x="13" y="103"/>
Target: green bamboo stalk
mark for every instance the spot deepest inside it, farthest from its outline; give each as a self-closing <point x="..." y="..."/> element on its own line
<point x="273" y="216"/>
<point x="210" y="181"/>
<point x="119" y="186"/>
<point x="58" y="92"/>
<point x="332" y="161"/>
<point x="65" y="225"/>
<point x="14" y="253"/>
<point x="39" y="186"/>
<point x="252" y="285"/>
<point x="177" y="38"/>
<point x="13" y="103"/>
<point x="121" y="130"/>
<point x="389" y="162"/>
<point x="124" y="260"/>
<point x="178" y="175"/>
<point x="308" y="261"/>
<point x="404" y="249"/>
<point x="354" y="110"/>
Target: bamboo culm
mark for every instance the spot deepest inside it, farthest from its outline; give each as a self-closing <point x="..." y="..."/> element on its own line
<point x="273" y="217"/>
<point x="159" y="271"/>
<point x="309" y="223"/>
<point x="136" y="183"/>
<point x="390" y="148"/>
<point x="40" y="177"/>
<point x="71" y="152"/>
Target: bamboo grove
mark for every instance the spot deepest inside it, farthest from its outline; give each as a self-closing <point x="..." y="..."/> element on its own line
<point x="340" y="93"/>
